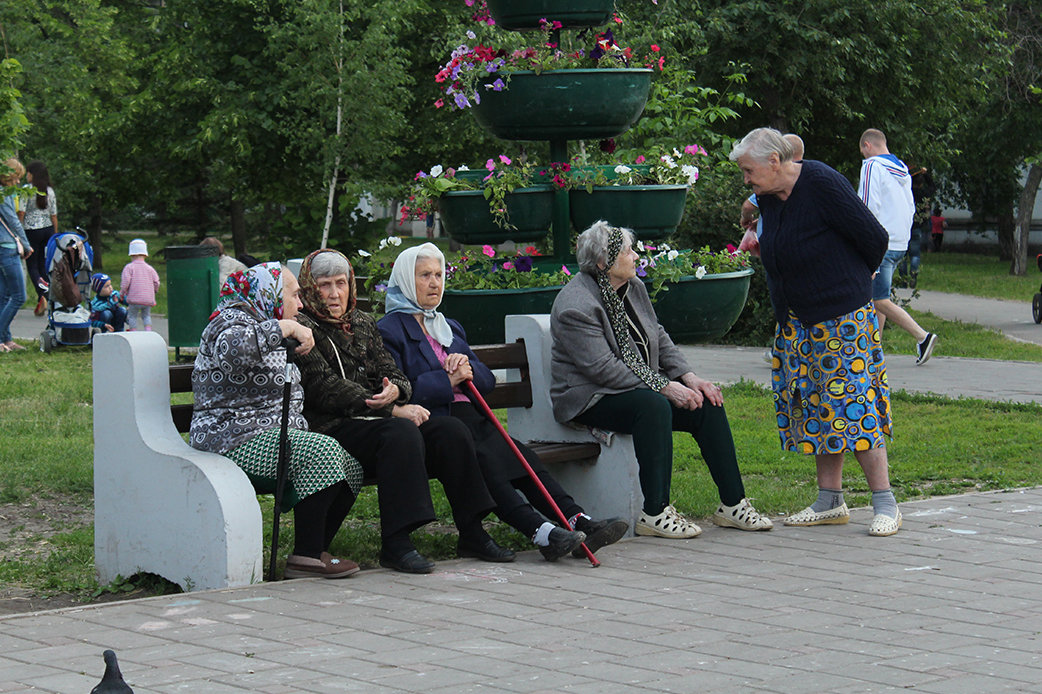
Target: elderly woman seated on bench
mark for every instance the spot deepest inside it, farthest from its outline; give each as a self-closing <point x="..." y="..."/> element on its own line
<point x="356" y="394"/>
<point x="238" y="387"/>
<point x="615" y="368"/>
<point x="433" y="352"/>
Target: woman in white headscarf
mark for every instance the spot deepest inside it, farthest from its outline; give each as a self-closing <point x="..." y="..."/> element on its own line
<point x="433" y="353"/>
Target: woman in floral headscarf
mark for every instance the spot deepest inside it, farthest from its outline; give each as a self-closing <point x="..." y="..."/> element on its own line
<point x="238" y="382"/>
<point x="356" y="394"/>
<point x="615" y="368"/>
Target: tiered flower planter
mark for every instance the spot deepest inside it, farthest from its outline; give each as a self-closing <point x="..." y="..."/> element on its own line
<point x="652" y="212"/>
<point x="466" y="218"/>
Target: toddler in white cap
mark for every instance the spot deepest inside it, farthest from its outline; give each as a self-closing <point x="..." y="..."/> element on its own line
<point x="139" y="283"/>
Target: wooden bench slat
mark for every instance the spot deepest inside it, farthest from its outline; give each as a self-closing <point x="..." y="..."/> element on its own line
<point x="509" y="356"/>
<point x="565" y="452"/>
<point x="510" y="395"/>
<point x="181" y="378"/>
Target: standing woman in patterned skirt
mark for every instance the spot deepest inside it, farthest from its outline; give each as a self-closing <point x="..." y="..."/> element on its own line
<point x="820" y="247"/>
<point x="238" y="383"/>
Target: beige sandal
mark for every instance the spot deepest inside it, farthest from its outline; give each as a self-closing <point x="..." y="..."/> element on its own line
<point x="669" y="524"/>
<point x="742" y="516"/>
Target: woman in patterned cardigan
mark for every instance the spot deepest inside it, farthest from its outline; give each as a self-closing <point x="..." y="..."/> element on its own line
<point x="238" y="381"/>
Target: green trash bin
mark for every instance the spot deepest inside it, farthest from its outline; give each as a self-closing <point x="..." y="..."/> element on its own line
<point x="191" y="275"/>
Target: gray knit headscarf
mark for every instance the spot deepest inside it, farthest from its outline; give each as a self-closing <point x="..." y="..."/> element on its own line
<point x="617" y="315"/>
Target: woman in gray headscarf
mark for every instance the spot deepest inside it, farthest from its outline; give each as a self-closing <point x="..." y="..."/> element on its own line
<point x="614" y="367"/>
<point x="433" y="352"/>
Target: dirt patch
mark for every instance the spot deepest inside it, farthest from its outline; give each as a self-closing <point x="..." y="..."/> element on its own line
<point x="26" y="529"/>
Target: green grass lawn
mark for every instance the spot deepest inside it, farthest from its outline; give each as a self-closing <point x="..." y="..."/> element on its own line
<point x="940" y="447"/>
<point x="959" y="339"/>
<point x="977" y="275"/>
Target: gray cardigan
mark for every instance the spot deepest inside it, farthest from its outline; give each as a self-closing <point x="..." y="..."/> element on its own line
<point x="585" y="358"/>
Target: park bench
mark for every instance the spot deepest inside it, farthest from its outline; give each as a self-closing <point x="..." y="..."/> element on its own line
<point x="163" y="507"/>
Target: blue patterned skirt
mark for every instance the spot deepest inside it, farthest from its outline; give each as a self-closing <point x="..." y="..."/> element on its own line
<point x="830" y="388"/>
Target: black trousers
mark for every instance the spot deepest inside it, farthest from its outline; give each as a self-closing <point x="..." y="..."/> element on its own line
<point x="505" y="476"/>
<point x="402" y="456"/>
<point x="317" y="519"/>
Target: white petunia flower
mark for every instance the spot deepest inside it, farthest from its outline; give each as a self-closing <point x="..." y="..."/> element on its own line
<point x="622" y="169"/>
<point x="463" y="167"/>
<point x="672" y="255"/>
<point x="364" y="253"/>
<point x="436" y="170"/>
<point x="668" y="161"/>
<point x="700" y="272"/>
<point x="691" y="172"/>
<point x="640" y="246"/>
<point x="394" y="240"/>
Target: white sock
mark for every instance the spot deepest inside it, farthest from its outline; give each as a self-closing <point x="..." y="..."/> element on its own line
<point x="542" y="536"/>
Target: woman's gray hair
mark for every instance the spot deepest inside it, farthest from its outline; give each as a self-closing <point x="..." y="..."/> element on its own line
<point x="759" y="144"/>
<point x="329" y="264"/>
<point x="591" y="250"/>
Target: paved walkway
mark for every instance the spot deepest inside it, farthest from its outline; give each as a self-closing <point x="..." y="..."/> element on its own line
<point x="951" y="604"/>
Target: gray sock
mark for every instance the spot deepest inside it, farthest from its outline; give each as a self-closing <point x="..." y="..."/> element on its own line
<point x="884" y="503"/>
<point x="828" y="499"/>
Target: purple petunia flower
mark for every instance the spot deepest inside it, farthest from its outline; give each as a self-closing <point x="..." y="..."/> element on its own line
<point x="523" y="264"/>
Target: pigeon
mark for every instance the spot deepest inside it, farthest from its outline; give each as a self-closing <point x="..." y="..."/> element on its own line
<point x="112" y="681"/>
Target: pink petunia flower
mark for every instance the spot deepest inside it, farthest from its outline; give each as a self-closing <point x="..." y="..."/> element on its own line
<point x="508" y="265"/>
<point x="490" y="165"/>
<point x="640" y="159"/>
<point x="505" y="159"/>
<point x="488" y="250"/>
<point x="565" y="270"/>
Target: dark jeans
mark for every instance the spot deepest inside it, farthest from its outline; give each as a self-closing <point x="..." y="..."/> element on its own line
<point x="505" y="476"/>
<point x="651" y="419"/>
<point x="37" y="262"/>
<point x="116" y="317"/>
<point x="12" y="289"/>
<point x="401" y="456"/>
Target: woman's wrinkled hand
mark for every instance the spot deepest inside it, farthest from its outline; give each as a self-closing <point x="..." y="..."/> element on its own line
<point x="300" y="333"/>
<point x="681" y="396"/>
<point x="750" y="242"/>
<point x="710" y="391"/>
<point x="414" y="413"/>
<point x="385" y="397"/>
<point x="458" y="367"/>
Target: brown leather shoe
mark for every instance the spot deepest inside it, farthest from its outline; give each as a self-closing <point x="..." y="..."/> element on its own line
<point x="327" y="566"/>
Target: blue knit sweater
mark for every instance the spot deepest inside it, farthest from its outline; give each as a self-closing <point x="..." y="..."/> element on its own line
<point x="819" y="247"/>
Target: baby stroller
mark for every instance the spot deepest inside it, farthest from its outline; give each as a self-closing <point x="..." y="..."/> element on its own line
<point x="1036" y="301"/>
<point x="69" y="262"/>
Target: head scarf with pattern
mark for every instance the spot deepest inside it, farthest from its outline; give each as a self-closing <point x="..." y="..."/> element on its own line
<point x="257" y="291"/>
<point x="312" y="298"/>
<point x="401" y="291"/>
<point x="617" y="315"/>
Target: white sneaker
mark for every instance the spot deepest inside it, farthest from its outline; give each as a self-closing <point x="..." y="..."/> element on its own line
<point x="808" y="516"/>
<point x="742" y="516"/>
<point x="669" y="523"/>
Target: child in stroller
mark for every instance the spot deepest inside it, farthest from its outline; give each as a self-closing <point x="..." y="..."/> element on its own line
<point x="69" y="265"/>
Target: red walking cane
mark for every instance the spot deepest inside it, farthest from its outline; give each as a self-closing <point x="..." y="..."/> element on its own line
<point x="476" y="397"/>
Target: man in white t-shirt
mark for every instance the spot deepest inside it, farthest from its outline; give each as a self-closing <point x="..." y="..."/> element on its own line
<point x="886" y="188"/>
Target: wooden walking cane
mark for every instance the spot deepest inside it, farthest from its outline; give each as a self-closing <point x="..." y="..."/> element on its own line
<point x="472" y="391"/>
<point x="282" y="467"/>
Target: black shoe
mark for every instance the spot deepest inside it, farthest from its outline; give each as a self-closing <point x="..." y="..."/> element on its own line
<point x="412" y="562"/>
<point x="599" y="533"/>
<point x="486" y="551"/>
<point x="925" y="348"/>
<point x="561" y="543"/>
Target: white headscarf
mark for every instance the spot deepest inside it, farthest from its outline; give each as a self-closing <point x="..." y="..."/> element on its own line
<point x="401" y="291"/>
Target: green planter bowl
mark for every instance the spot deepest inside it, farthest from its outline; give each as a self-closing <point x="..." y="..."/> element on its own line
<point x="466" y="218"/>
<point x="525" y="14"/>
<point x="565" y="104"/>
<point x="652" y="212"/>
<point x="482" y="311"/>
<point x="696" y="310"/>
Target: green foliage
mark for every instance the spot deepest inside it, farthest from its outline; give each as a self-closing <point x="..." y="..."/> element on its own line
<point x="975" y="274"/>
<point x="13" y="123"/>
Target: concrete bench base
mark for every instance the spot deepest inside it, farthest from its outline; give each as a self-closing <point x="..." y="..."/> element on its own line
<point x="160" y="506"/>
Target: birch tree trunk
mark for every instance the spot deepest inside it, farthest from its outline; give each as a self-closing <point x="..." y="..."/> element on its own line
<point x="338" y="61"/>
<point x="1025" y="207"/>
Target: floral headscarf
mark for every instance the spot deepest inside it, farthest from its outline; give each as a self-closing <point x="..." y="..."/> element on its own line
<point x="401" y="291"/>
<point x="257" y="290"/>
<point x="617" y="315"/>
<point x="312" y="299"/>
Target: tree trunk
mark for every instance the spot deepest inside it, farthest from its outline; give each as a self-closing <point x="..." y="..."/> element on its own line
<point x="238" y="214"/>
<point x="1025" y="207"/>
<point x="94" y="229"/>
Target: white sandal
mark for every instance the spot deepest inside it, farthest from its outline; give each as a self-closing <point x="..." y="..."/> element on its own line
<point x="742" y="516"/>
<point x="884" y="526"/>
<point x="669" y="524"/>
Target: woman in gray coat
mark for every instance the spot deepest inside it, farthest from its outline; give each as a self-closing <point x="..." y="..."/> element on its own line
<point x="614" y="367"/>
